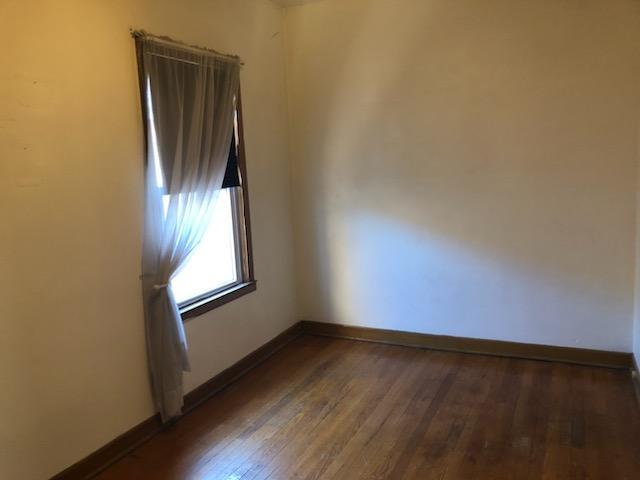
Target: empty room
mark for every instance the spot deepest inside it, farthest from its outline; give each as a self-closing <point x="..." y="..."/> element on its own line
<point x="320" y="239"/>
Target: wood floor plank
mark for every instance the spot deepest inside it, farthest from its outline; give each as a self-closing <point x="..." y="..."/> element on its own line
<point x="325" y="408"/>
<point x="316" y="405"/>
<point x="452" y="427"/>
<point x="369" y="447"/>
<point x="333" y="435"/>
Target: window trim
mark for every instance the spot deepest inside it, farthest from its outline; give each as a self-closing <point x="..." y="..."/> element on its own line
<point x="217" y="300"/>
<point x="242" y="232"/>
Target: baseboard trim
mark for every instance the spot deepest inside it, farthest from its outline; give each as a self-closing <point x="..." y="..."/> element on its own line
<point x="208" y="389"/>
<point x="635" y="378"/>
<point x="582" y="356"/>
<point x="116" y="449"/>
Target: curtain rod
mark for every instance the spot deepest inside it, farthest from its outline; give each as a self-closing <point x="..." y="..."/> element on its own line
<point x="168" y="40"/>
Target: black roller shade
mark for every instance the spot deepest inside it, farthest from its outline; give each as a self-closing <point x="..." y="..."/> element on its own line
<point x="231" y="175"/>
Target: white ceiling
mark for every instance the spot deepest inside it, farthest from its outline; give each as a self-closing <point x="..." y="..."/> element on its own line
<point x="291" y="3"/>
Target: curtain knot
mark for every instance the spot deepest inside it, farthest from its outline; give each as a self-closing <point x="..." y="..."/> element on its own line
<point x="160" y="286"/>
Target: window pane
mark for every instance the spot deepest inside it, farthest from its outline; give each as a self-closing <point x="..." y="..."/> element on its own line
<point x="213" y="263"/>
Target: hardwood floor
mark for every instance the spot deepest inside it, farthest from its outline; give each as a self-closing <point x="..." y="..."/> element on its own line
<point x="325" y="408"/>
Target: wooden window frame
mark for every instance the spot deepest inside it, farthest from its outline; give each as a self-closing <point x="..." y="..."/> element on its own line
<point x="248" y="283"/>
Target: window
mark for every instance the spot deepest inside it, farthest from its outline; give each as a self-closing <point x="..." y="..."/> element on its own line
<point x="213" y="265"/>
<point x="220" y="268"/>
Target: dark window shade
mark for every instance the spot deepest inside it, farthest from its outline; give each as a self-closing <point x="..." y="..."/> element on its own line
<point x="231" y="174"/>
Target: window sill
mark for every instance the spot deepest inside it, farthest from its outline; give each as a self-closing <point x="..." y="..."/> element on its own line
<point x="217" y="300"/>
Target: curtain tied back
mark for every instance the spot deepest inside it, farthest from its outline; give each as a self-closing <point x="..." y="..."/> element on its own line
<point x="188" y="98"/>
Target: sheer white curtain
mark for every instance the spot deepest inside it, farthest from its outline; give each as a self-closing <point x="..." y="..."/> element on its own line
<point x="189" y="99"/>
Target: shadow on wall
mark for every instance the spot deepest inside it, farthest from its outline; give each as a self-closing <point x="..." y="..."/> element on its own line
<point x="470" y="172"/>
<point x="392" y="275"/>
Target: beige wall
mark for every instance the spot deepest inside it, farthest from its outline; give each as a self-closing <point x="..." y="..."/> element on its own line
<point x="458" y="167"/>
<point x="72" y="360"/>
<point x="636" y="318"/>
<point x="468" y="167"/>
